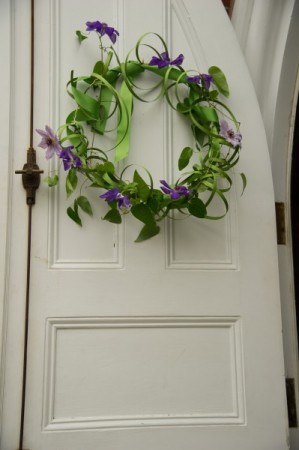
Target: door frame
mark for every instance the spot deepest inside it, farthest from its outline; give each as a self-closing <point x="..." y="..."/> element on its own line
<point x="278" y="101"/>
<point x="282" y="147"/>
<point x="15" y="54"/>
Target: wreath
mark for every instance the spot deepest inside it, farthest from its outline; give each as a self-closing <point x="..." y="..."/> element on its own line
<point x="106" y="96"/>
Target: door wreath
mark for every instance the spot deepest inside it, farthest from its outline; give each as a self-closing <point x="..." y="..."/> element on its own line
<point x="107" y="95"/>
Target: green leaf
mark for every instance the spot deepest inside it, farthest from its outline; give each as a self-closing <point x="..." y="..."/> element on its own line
<point x="219" y="80"/>
<point x="197" y="208"/>
<point x="213" y="94"/>
<point x="84" y="204"/>
<point x="183" y="108"/>
<point x="86" y="102"/>
<point x="147" y="232"/>
<point x="106" y="96"/>
<point x="207" y="114"/>
<point x="113" y="216"/>
<point x="184" y="158"/>
<point x="244" y="180"/>
<point x="99" y="68"/>
<point x="80" y="36"/>
<point x="71" y="182"/>
<point x="199" y="135"/>
<point x="108" y="179"/>
<point x="108" y="167"/>
<point x="51" y="181"/>
<point x="215" y="148"/>
<point x="124" y="126"/>
<point x="133" y="68"/>
<point x="143" y="213"/>
<point x="78" y="115"/>
<point x="143" y="189"/>
<point x="155" y="200"/>
<point x="74" y="215"/>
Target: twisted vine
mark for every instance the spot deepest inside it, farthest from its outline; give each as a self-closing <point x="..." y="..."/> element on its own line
<point x="109" y="92"/>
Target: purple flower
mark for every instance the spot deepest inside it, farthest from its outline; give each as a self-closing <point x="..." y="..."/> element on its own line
<point x="102" y="28"/>
<point x="204" y="78"/>
<point x="165" y="61"/>
<point x="175" y="192"/>
<point x="229" y="134"/>
<point x="69" y="159"/>
<point x="193" y="79"/>
<point x="123" y="201"/>
<point x="49" y="141"/>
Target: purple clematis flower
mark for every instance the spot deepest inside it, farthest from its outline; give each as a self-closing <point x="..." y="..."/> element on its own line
<point x="204" y="78"/>
<point x="102" y="28"/>
<point x="229" y="134"/>
<point x="175" y="192"/>
<point x="123" y="201"/>
<point x="193" y="79"/>
<point x="69" y="159"/>
<point x="49" y="141"/>
<point x="165" y="61"/>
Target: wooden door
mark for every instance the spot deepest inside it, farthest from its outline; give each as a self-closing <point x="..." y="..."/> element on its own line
<point x="173" y="343"/>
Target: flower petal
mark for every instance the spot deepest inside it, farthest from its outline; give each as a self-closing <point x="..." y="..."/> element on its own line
<point x="165" y="184"/>
<point x="193" y="79"/>
<point x="178" y="61"/>
<point x="50" y="152"/>
<point x="41" y="132"/>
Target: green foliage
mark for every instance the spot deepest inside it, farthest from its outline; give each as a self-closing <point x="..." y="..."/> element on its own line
<point x="124" y="125"/>
<point x="73" y="214"/>
<point x="184" y="158"/>
<point x="88" y="104"/>
<point x="80" y="36"/>
<point x="142" y="188"/>
<point x="104" y="103"/>
<point x="197" y="208"/>
<point x="52" y="181"/>
<point x="219" y="80"/>
<point x="84" y="204"/>
<point x="71" y="182"/>
<point x="244" y="181"/>
<point x="147" y="232"/>
<point x="143" y="213"/>
<point x="113" y="216"/>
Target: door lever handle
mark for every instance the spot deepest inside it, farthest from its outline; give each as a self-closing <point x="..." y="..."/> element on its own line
<point x="30" y="176"/>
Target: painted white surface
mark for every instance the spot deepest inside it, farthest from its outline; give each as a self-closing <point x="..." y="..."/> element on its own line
<point x="5" y="167"/>
<point x="14" y="52"/>
<point x="189" y="319"/>
<point x="281" y="167"/>
<point x="262" y="28"/>
<point x="272" y="29"/>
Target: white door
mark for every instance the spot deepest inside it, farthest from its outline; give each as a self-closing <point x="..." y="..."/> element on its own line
<point x="173" y="343"/>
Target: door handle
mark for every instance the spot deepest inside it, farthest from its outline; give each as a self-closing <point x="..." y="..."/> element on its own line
<point x="30" y="176"/>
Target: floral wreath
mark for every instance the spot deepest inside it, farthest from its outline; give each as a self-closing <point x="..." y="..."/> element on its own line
<point x="111" y="90"/>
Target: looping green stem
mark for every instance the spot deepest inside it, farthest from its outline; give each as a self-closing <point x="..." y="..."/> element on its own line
<point x="111" y="90"/>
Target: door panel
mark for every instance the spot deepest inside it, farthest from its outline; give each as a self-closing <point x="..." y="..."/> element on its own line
<point x="191" y="366"/>
<point x="173" y="343"/>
